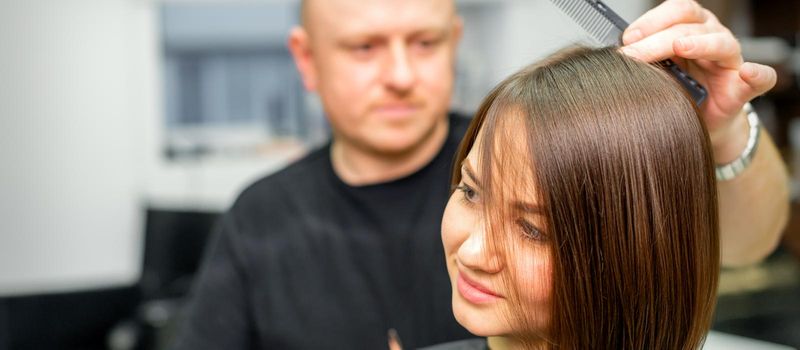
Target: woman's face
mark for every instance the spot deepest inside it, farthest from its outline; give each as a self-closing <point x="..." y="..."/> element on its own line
<point x="479" y="270"/>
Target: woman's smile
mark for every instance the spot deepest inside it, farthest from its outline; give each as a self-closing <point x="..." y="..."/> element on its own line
<point x="475" y="292"/>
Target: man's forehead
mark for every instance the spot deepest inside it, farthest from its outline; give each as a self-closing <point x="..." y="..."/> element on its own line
<point x="345" y="17"/>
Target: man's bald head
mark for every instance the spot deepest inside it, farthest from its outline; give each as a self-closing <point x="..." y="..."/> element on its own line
<point x="304" y="12"/>
<point x="383" y="69"/>
<point x="309" y="7"/>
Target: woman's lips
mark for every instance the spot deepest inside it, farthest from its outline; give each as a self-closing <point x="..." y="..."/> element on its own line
<point x="473" y="291"/>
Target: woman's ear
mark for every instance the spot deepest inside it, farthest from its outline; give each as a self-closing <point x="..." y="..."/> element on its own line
<point x="300" y="48"/>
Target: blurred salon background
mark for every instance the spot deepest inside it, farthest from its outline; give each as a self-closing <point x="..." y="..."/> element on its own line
<point x="128" y="126"/>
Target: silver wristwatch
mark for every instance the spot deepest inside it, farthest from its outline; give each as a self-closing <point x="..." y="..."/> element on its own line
<point x="738" y="165"/>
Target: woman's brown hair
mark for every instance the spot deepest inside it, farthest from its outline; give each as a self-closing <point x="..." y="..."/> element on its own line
<point x="623" y="172"/>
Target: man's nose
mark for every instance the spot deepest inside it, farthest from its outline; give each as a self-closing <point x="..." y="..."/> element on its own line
<point x="479" y="254"/>
<point x="400" y="75"/>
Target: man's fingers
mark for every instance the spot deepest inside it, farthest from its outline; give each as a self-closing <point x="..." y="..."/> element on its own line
<point x="663" y="16"/>
<point x="394" y="340"/>
<point x="661" y="45"/>
<point x="759" y="79"/>
<point x="721" y="48"/>
<point x="393" y="345"/>
<point x="754" y="80"/>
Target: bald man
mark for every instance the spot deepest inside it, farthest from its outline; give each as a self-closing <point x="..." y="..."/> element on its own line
<point x="344" y="245"/>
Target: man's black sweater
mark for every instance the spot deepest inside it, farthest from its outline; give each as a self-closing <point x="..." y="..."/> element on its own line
<point x="304" y="261"/>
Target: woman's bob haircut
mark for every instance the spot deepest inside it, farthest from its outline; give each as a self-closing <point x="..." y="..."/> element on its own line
<point x="623" y="173"/>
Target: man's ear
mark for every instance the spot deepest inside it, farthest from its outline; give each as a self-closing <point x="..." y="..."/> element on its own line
<point x="300" y="47"/>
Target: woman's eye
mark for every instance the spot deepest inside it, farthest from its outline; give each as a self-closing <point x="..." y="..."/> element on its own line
<point x="529" y="230"/>
<point x="468" y="193"/>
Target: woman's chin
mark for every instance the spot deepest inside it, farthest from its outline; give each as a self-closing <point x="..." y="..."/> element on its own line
<point x="478" y="323"/>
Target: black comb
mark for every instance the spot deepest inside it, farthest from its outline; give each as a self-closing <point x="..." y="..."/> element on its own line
<point x="605" y="26"/>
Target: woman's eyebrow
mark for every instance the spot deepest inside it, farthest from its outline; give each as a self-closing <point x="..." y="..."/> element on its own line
<point x="528" y="207"/>
<point x="467" y="168"/>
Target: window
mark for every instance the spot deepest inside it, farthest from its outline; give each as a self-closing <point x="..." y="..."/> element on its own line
<point x="230" y="84"/>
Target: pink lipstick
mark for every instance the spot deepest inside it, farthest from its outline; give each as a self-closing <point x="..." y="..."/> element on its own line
<point x="475" y="292"/>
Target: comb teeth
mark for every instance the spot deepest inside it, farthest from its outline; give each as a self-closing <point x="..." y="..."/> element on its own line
<point x="592" y="20"/>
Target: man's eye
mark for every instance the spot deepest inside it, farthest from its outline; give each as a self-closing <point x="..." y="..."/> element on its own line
<point x="427" y="43"/>
<point x="363" y="47"/>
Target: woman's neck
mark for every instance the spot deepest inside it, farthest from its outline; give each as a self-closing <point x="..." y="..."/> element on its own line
<point x="510" y="343"/>
<point x="502" y="343"/>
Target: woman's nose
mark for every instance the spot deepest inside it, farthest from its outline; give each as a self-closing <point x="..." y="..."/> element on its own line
<point x="479" y="254"/>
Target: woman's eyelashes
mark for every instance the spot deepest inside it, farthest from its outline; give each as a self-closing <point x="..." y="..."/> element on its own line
<point x="470" y="198"/>
<point x="530" y="231"/>
<point x="468" y="194"/>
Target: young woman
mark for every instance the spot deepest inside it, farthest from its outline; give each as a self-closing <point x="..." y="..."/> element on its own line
<point x="584" y="214"/>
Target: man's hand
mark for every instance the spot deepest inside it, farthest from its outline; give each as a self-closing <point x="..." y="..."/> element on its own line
<point x="753" y="208"/>
<point x="694" y="38"/>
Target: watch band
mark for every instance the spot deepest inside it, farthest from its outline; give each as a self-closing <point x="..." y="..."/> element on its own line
<point x="738" y="165"/>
